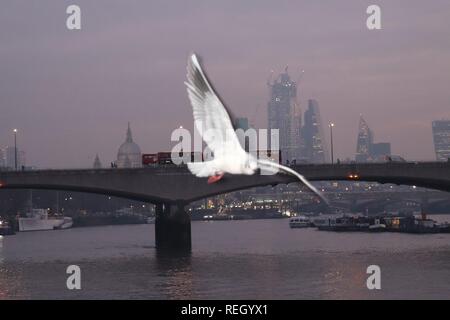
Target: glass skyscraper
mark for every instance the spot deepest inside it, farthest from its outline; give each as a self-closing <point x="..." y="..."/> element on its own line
<point x="312" y="132"/>
<point x="441" y="138"/>
<point x="380" y="150"/>
<point x="364" y="142"/>
<point x="366" y="149"/>
<point x="284" y="115"/>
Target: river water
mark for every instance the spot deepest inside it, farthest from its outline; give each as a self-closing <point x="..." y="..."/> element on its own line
<point x="252" y="259"/>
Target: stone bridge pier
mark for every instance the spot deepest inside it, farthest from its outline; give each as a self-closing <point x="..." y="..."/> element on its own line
<point x="172" y="227"/>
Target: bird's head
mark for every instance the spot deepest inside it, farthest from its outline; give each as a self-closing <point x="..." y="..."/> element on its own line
<point x="250" y="165"/>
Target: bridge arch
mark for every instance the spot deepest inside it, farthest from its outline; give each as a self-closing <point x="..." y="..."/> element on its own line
<point x="107" y="192"/>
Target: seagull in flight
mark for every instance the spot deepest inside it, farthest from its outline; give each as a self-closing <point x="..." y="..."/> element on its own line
<point x="213" y="121"/>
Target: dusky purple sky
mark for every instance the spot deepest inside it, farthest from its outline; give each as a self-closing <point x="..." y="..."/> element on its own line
<point x="71" y="93"/>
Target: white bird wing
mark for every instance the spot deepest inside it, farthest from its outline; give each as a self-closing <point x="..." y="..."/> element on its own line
<point x="210" y="114"/>
<point x="273" y="166"/>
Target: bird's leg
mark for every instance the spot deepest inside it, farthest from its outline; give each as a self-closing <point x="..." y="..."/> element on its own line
<point x="216" y="177"/>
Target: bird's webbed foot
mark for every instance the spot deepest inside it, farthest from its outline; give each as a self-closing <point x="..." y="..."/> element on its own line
<point x="217" y="177"/>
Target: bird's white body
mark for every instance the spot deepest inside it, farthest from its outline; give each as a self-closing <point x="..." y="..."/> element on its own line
<point x="233" y="163"/>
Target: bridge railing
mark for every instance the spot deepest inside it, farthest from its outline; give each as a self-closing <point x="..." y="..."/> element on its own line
<point x="182" y="167"/>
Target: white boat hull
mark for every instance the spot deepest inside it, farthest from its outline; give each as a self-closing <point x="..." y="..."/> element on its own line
<point x="33" y="224"/>
<point x="299" y="222"/>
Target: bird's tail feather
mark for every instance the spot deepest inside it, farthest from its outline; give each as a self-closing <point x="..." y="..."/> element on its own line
<point x="270" y="165"/>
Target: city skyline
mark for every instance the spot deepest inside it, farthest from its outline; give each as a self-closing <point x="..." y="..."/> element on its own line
<point x="313" y="147"/>
<point x="70" y="94"/>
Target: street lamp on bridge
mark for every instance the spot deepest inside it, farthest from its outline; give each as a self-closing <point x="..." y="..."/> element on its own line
<point x="331" y="125"/>
<point x="15" y="149"/>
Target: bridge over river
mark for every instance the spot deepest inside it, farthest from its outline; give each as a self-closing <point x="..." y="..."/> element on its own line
<point x="171" y="187"/>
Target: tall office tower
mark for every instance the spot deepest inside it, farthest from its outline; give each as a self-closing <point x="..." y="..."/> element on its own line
<point x="441" y="138"/>
<point x="282" y="108"/>
<point x="380" y="150"/>
<point x="2" y="159"/>
<point x="297" y="143"/>
<point x="313" y="136"/>
<point x="10" y="158"/>
<point x="364" y="142"/>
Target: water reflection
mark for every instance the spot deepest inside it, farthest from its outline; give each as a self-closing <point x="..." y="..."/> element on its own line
<point x="175" y="270"/>
<point x="1" y="249"/>
<point x="230" y="260"/>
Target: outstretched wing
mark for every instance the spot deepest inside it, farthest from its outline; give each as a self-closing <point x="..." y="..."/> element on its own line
<point x="211" y="117"/>
<point x="269" y="165"/>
